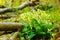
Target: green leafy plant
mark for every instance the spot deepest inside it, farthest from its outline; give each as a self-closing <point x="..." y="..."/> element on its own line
<point x="37" y="30"/>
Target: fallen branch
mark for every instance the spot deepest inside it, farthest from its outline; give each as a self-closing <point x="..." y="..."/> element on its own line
<point x="14" y="36"/>
<point x="22" y="6"/>
<point x="6" y="16"/>
<point x="10" y="26"/>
